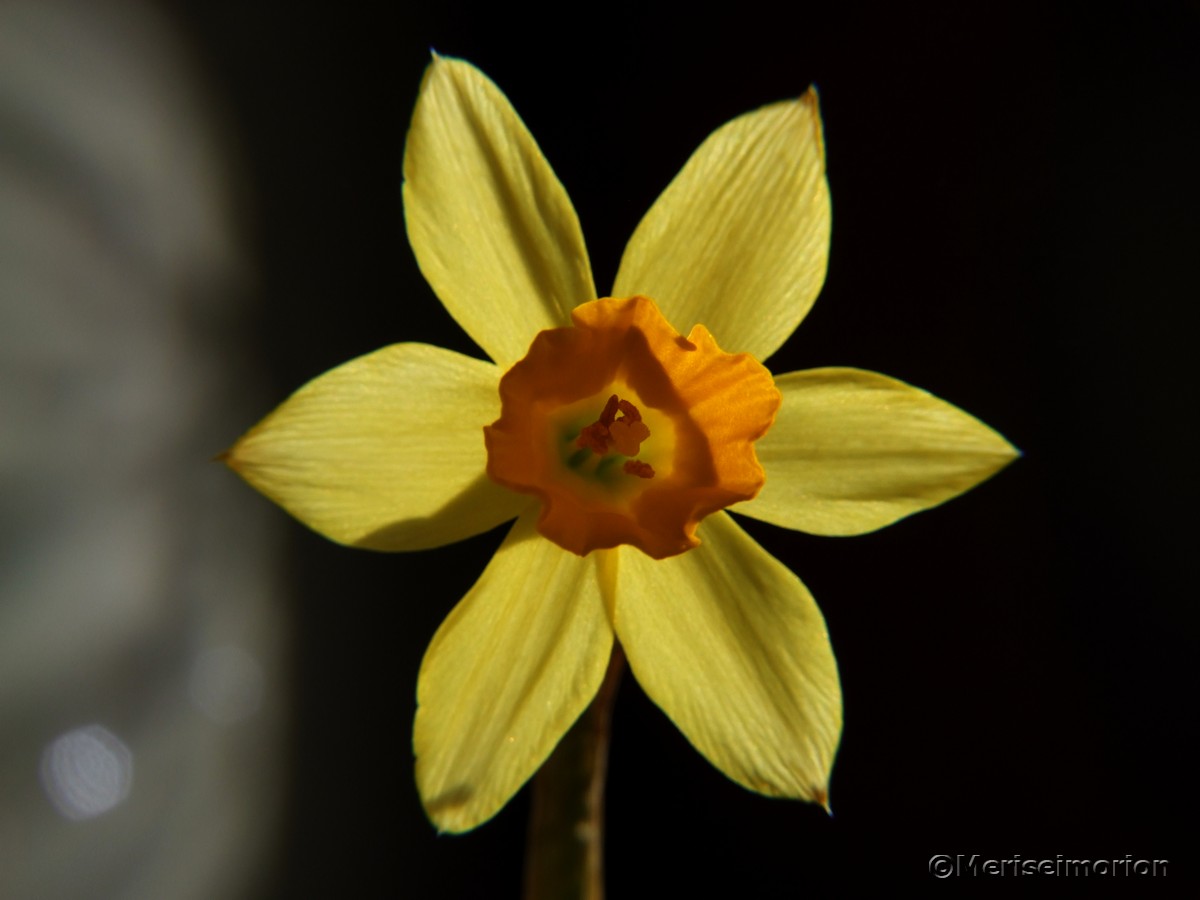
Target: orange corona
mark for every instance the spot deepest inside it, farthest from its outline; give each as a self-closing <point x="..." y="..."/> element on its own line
<point x="628" y="432"/>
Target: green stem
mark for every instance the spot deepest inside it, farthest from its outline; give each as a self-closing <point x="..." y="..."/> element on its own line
<point x="565" y="855"/>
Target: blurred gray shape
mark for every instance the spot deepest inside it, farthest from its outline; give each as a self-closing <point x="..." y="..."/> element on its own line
<point x="141" y="702"/>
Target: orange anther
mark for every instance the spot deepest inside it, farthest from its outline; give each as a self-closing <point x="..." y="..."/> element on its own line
<point x="608" y="433"/>
<point x="610" y="411"/>
<point x="595" y="438"/>
<point x="638" y="468"/>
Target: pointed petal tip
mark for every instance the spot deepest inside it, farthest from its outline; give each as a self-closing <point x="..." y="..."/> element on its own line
<point x="1007" y="450"/>
<point x="812" y="100"/>
<point x="821" y="797"/>
<point x="229" y="458"/>
<point x="437" y="59"/>
<point x="450" y="812"/>
<point x="444" y="828"/>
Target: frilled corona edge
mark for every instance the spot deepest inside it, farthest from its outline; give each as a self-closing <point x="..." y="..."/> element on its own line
<point x="682" y="446"/>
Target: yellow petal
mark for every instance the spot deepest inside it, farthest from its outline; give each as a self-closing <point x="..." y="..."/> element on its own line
<point x="491" y="226"/>
<point x="852" y="451"/>
<point x="384" y="452"/>
<point x="729" y="643"/>
<point x="739" y="240"/>
<point x="509" y="671"/>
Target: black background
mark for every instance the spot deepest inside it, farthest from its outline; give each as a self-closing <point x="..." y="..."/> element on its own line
<point x="1015" y="230"/>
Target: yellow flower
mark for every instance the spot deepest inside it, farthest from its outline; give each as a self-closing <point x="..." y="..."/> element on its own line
<point x="388" y="452"/>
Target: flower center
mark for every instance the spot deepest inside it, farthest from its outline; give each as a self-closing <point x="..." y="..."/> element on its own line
<point x="672" y="443"/>
<point x="623" y="435"/>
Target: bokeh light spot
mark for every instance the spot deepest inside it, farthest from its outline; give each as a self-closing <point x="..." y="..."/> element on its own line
<point x="86" y="772"/>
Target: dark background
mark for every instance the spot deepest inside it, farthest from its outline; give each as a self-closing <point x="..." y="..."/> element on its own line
<point x="1015" y="230"/>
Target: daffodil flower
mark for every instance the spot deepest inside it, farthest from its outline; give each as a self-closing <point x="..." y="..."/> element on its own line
<point x="616" y="441"/>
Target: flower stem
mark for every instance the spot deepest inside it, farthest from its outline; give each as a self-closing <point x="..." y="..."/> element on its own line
<point x="565" y="855"/>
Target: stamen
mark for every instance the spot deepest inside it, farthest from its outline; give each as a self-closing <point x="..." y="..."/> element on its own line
<point x="623" y="435"/>
<point x="610" y="410"/>
<point x="594" y="437"/>
<point x="638" y="468"/>
<point x="627" y="436"/>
